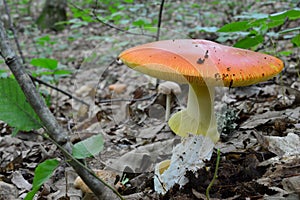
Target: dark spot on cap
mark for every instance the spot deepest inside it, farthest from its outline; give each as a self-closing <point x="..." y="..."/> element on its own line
<point x="200" y="61"/>
<point x="196" y="45"/>
<point x="217" y="76"/>
<point x="228" y="69"/>
<point x="265" y="58"/>
<point x="263" y="74"/>
<point x="224" y="76"/>
<point x="206" y="54"/>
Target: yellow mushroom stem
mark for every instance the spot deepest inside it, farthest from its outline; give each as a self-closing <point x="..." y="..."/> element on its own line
<point x="199" y="117"/>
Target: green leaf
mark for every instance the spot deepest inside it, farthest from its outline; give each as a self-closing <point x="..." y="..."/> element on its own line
<point x="41" y="174"/>
<point x="291" y="14"/>
<point x="62" y="72"/>
<point x="257" y="23"/>
<point x="275" y="23"/>
<point x="285" y="53"/>
<point x="235" y="26"/>
<point x="44" y="63"/>
<point x="43" y="40"/>
<point x="88" y="147"/>
<point x="14" y="109"/>
<point x="139" y="23"/>
<point x="296" y="40"/>
<point x="249" y="41"/>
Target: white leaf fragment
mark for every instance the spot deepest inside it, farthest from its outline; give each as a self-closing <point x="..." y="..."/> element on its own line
<point x="186" y="156"/>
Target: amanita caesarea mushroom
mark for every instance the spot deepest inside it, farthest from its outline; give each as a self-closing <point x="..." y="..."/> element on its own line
<point x="203" y="65"/>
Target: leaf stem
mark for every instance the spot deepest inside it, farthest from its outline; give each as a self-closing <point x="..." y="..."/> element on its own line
<point x="215" y="175"/>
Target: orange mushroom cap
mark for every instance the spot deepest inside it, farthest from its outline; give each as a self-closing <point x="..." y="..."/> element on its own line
<point x="209" y="63"/>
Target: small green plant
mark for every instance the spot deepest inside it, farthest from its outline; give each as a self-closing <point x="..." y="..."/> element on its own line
<point x="49" y="69"/>
<point x="215" y="175"/>
<point x="41" y="174"/>
<point x="44" y="45"/>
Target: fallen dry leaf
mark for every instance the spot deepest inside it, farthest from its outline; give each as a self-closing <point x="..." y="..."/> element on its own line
<point x="118" y="88"/>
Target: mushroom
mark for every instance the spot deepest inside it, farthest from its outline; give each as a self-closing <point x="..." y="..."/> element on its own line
<point x="168" y="88"/>
<point x="203" y="65"/>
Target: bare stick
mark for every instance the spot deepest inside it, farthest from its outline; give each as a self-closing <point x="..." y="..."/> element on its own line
<point x="159" y="19"/>
<point x="54" y="130"/>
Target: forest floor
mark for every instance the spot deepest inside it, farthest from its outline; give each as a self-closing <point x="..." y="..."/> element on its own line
<point x="259" y="126"/>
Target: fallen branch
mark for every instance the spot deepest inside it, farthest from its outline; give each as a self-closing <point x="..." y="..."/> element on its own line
<point x="51" y="126"/>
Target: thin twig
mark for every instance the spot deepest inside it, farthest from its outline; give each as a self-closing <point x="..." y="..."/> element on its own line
<point x="59" y="90"/>
<point x="95" y="16"/>
<point x="159" y="19"/>
<point x="11" y="27"/>
<point x="158" y="30"/>
<point x="131" y="100"/>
